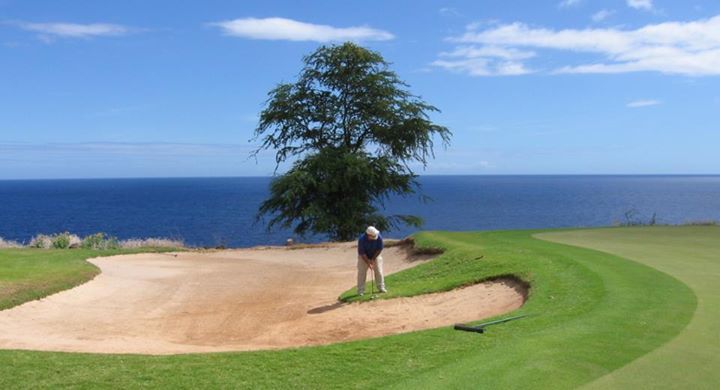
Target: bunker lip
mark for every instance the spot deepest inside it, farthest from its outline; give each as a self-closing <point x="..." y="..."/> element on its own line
<point x="238" y="300"/>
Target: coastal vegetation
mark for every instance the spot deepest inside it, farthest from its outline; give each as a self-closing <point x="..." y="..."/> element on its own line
<point x="593" y="316"/>
<point x="96" y="241"/>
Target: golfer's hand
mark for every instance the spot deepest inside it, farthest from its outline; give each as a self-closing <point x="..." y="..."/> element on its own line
<point x="371" y="264"/>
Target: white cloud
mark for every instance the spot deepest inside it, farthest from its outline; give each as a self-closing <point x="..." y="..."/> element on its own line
<point x="640" y="4"/>
<point x="643" y="103"/>
<point x="447" y="11"/>
<point x="485" y="61"/>
<point x="602" y="15"/>
<point x="489" y="51"/>
<point x="483" y="67"/>
<point x="292" y="30"/>
<point x="569" y="3"/>
<point x="74" y="30"/>
<point x="687" y="48"/>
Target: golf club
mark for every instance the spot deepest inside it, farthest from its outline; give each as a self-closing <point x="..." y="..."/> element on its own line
<point x="372" y="285"/>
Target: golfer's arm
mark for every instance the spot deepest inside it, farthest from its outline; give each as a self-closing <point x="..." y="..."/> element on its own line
<point x="377" y="254"/>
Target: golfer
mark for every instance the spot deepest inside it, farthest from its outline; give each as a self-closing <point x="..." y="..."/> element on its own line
<point x="370" y="245"/>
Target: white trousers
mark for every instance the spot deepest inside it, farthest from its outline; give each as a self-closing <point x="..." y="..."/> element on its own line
<point x="362" y="274"/>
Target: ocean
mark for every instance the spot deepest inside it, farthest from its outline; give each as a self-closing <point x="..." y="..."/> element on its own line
<point x="221" y="211"/>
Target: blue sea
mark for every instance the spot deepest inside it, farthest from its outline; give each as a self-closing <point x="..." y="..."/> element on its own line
<point x="221" y="211"/>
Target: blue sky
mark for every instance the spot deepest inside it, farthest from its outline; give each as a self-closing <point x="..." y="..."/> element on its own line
<point x="139" y="88"/>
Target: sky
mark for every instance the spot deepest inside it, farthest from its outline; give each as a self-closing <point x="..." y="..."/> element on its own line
<point x="137" y="88"/>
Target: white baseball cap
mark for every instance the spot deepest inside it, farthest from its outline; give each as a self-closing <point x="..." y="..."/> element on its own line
<point x="371" y="231"/>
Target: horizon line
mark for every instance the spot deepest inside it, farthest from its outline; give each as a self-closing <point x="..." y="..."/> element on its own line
<point x="272" y="176"/>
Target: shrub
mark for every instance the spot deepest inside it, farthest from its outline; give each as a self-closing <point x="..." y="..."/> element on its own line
<point x="99" y="241"/>
<point x="41" y="241"/>
<point x="65" y="241"/>
<point x="61" y="241"/>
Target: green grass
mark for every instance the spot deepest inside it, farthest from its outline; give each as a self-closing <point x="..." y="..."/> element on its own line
<point x="592" y="315"/>
<point x="691" y="254"/>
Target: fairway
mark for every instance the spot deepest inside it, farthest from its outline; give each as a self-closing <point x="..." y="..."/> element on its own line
<point x="592" y="321"/>
<point x="691" y="254"/>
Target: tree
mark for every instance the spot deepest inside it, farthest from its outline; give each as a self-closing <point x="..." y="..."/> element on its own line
<point x="353" y="129"/>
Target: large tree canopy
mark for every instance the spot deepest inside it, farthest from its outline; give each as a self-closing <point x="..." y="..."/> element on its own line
<point x="352" y="128"/>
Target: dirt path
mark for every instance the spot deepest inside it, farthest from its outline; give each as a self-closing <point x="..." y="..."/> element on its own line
<point x="235" y="300"/>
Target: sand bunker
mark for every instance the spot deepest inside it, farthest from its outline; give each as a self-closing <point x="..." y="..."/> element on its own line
<point x="236" y="300"/>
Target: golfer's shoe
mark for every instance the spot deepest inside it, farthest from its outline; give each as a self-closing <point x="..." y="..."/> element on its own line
<point x="383" y="290"/>
<point x="361" y="294"/>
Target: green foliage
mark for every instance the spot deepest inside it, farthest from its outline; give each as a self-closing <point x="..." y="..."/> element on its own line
<point x="334" y="192"/>
<point x="56" y="241"/>
<point x="354" y="128"/>
<point x="100" y="241"/>
<point x="61" y="241"/>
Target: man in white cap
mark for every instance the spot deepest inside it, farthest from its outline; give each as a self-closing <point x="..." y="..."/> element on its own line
<point x="370" y="245"/>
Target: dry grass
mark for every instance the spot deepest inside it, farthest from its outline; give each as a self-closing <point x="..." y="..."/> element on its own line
<point x="41" y="241"/>
<point x="6" y="244"/>
<point x="151" y="243"/>
<point x="94" y="241"/>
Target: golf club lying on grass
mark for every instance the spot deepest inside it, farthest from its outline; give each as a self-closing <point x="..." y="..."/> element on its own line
<point x="480" y="328"/>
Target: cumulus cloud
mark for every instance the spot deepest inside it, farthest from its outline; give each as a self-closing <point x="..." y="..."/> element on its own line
<point x="292" y="30"/>
<point x="640" y="4"/>
<point x="687" y="48"/>
<point x="74" y="30"/>
<point x="643" y="103"/>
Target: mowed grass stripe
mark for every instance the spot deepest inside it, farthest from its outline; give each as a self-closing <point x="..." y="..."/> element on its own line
<point x="691" y="254"/>
<point x="591" y="315"/>
<point x="595" y="317"/>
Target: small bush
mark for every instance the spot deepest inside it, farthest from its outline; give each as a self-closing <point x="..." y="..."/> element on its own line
<point x="6" y="244"/>
<point x="41" y="241"/>
<point x="99" y="241"/>
<point x="61" y="241"/>
<point x="151" y="243"/>
<point x="65" y="241"/>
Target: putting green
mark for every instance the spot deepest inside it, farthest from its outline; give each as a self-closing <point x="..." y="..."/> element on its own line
<point x="692" y="255"/>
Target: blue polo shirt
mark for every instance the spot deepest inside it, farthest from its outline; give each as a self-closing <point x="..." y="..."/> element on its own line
<point x="368" y="247"/>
